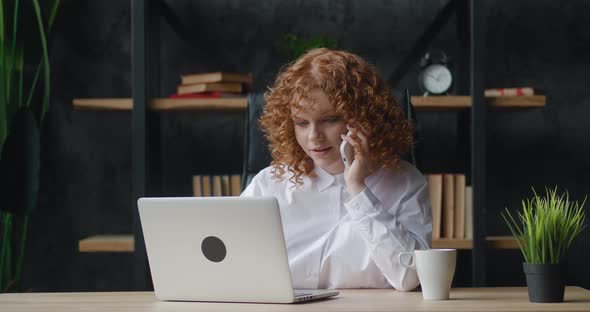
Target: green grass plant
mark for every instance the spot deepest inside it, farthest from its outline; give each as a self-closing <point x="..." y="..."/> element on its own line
<point x="24" y="26"/>
<point x="546" y="226"/>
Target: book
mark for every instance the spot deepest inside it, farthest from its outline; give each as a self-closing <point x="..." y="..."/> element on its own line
<point x="448" y="205"/>
<point x="216" y="185"/>
<point x="435" y="193"/>
<point x="206" y="87"/>
<point x="206" y="185"/>
<point x="468" y="212"/>
<point x="216" y="77"/>
<point x="225" y="186"/>
<point x="459" y="225"/>
<point x="197" y="188"/>
<point x="235" y="184"/>
<point x="521" y="91"/>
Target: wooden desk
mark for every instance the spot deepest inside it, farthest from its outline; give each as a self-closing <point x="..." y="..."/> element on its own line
<point x="462" y="299"/>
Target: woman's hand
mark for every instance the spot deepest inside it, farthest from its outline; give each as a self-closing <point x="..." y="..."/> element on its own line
<point x="361" y="167"/>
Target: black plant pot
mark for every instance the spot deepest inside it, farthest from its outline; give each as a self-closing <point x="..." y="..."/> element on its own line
<point x="546" y="282"/>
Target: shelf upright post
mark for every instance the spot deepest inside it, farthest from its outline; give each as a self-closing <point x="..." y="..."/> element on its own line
<point x="478" y="139"/>
<point x="461" y="86"/>
<point x="141" y="13"/>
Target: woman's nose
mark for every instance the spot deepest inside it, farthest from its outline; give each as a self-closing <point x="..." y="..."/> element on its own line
<point x="315" y="133"/>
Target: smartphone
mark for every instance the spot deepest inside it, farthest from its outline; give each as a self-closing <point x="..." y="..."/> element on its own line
<point x="347" y="152"/>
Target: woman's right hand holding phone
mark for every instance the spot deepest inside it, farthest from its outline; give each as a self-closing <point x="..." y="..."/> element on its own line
<point x="360" y="167"/>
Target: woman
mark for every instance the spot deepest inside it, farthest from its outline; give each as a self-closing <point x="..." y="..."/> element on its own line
<point x="344" y="226"/>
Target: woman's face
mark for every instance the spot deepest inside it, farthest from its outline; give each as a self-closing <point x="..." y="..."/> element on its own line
<point x="318" y="128"/>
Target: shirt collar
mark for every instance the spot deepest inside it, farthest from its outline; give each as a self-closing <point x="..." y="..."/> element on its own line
<point x="323" y="179"/>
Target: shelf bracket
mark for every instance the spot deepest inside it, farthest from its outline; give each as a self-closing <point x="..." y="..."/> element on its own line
<point x="423" y="42"/>
<point x="173" y="20"/>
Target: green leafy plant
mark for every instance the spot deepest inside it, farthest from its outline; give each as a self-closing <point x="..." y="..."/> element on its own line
<point x="295" y="46"/>
<point x="546" y="226"/>
<point x="24" y="100"/>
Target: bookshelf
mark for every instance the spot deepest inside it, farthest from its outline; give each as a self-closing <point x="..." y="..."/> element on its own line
<point x="472" y="109"/>
<point x="145" y="15"/>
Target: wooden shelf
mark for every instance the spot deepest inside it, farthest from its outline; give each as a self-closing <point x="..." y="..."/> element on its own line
<point x="452" y="243"/>
<point x="125" y="243"/>
<point x="450" y="102"/>
<point x="502" y="242"/>
<point x="107" y="243"/>
<point x="458" y="102"/>
<point x="237" y="104"/>
<point x="421" y="103"/>
<point x="103" y="104"/>
<point x="530" y="101"/>
<point x="494" y="242"/>
<point x="221" y="105"/>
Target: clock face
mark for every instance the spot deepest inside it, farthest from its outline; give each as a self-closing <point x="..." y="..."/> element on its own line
<point x="436" y="78"/>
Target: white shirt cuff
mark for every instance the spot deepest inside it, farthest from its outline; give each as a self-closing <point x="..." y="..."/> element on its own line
<point x="363" y="204"/>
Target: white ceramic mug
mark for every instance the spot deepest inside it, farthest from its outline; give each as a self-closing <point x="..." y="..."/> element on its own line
<point x="435" y="268"/>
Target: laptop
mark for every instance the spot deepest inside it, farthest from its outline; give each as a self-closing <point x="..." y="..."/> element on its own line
<point x="226" y="249"/>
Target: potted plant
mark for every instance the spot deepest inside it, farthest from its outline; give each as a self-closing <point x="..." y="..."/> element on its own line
<point x="545" y="230"/>
<point x="294" y="46"/>
<point x="24" y="100"/>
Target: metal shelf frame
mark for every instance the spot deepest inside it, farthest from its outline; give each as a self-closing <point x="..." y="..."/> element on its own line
<point x="146" y="17"/>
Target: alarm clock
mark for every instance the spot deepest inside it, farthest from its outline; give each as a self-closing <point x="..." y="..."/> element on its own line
<point x="435" y="76"/>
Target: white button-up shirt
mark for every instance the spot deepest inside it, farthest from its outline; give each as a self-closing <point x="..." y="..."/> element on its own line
<point x="334" y="241"/>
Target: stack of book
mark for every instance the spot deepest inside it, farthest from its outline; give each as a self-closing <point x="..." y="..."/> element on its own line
<point x="452" y="206"/>
<point x="217" y="185"/>
<point x="213" y="85"/>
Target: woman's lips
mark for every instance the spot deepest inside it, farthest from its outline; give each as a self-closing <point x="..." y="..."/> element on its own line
<point x="321" y="151"/>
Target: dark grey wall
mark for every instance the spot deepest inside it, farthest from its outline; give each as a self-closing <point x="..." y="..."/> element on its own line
<point x="86" y="155"/>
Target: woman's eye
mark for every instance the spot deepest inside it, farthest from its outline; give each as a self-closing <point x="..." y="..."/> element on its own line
<point x="301" y="123"/>
<point x="331" y="119"/>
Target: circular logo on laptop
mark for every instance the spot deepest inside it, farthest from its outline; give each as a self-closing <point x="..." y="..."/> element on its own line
<point x="213" y="249"/>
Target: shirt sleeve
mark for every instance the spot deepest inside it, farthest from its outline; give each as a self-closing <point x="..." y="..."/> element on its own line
<point x="254" y="188"/>
<point x="387" y="234"/>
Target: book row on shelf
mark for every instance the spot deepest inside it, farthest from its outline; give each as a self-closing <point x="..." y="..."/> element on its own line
<point x="452" y="206"/>
<point x="451" y="200"/>
<point x="217" y="185"/>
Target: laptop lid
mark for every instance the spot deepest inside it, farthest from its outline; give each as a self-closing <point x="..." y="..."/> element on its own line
<point x="228" y="249"/>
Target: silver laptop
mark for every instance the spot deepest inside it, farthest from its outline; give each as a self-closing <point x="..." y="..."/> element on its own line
<point x="228" y="249"/>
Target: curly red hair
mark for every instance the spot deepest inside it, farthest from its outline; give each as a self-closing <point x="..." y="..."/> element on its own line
<point x="358" y="93"/>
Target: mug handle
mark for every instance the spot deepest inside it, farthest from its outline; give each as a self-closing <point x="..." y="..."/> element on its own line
<point x="411" y="264"/>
